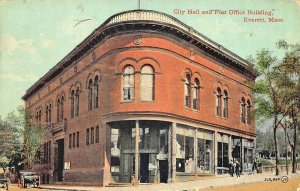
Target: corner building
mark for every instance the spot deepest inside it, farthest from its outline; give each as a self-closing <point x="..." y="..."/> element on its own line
<point x="144" y="98"/>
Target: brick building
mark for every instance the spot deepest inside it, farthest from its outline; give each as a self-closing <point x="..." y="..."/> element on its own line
<point x="143" y="85"/>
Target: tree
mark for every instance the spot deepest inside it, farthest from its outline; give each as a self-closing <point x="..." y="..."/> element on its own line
<point x="267" y="95"/>
<point x="31" y="135"/>
<point x="9" y="142"/>
<point x="277" y="92"/>
<point x="289" y="83"/>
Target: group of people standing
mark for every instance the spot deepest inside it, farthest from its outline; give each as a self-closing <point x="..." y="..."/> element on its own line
<point x="234" y="166"/>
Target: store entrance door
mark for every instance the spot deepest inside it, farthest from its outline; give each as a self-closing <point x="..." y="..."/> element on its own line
<point x="163" y="169"/>
<point x="144" y="167"/>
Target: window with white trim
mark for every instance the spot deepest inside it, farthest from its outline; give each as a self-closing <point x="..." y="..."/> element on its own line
<point x="187" y="90"/>
<point x="196" y="95"/>
<point x="147" y="83"/>
<point x="225" y="105"/>
<point x="218" y="102"/>
<point x="128" y="83"/>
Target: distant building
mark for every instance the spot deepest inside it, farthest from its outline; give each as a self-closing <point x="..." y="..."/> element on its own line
<point x="143" y="86"/>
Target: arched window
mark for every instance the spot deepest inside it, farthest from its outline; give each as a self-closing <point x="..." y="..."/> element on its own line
<point x="47" y="109"/>
<point x="62" y="108"/>
<point x="187" y="90"/>
<point x="243" y="110"/>
<point x="196" y="95"/>
<point x="218" y="102"/>
<point x="72" y="103"/>
<point x="77" y="102"/>
<point x="96" y="92"/>
<point x="58" y="110"/>
<point x="128" y="83"/>
<point x="90" y="95"/>
<point x="248" y="112"/>
<point x="147" y="83"/>
<point x="40" y="116"/>
<point x="225" y="105"/>
<point x="49" y="113"/>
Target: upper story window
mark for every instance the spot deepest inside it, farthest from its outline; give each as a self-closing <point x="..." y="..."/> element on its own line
<point x="96" y="92"/>
<point x="72" y="103"/>
<point x="92" y="135"/>
<point x="62" y="108"/>
<point x="58" y="110"/>
<point x="147" y="83"/>
<point x="187" y="90"/>
<point x="77" y="102"/>
<point x="218" y="102"/>
<point x="243" y="104"/>
<point x="48" y="113"/>
<point x="97" y="134"/>
<point x="90" y="95"/>
<point x="128" y="83"/>
<point x="248" y="112"/>
<point x="39" y="116"/>
<point x="196" y="94"/>
<point x="225" y="105"/>
<point x="87" y="138"/>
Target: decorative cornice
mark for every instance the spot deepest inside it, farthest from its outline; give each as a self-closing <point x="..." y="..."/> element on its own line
<point x="143" y="20"/>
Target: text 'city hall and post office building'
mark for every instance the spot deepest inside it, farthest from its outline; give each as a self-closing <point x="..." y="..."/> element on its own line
<point x="144" y="98"/>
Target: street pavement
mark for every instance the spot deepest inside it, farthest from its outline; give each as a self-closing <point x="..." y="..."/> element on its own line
<point x="197" y="185"/>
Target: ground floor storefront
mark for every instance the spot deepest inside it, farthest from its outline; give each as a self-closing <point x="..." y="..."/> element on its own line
<point x="154" y="151"/>
<point x="140" y="148"/>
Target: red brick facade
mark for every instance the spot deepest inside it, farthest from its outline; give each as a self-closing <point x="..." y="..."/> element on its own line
<point x="171" y="57"/>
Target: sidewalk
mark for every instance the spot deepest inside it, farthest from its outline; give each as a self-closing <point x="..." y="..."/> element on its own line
<point x="224" y="180"/>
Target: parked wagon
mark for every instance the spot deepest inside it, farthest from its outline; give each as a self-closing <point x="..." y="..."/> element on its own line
<point x="27" y="178"/>
<point x="3" y="181"/>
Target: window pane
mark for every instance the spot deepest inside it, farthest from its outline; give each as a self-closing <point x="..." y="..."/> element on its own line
<point x="115" y="150"/>
<point x="180" y="146"/>
<point x="144" y="138"/>
<point x="180" y="155"/>
<point x="87" y="136"/>
<point x="70" y="141"/>
<point x="77" y="141"/>
<point x="147" y="83"/>
<point x="92" y="135"/>
<point x="97" y="134"/>
<point x="74" y="140"/>
<point x="189" y="155"/>
<point x="163" y="141"/>
<point x="220" y="158"/>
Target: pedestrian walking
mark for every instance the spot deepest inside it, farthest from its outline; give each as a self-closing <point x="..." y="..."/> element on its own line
<point x="237" y="169"/>
<point x="254" y="167"/>
<point x="231" y="168"/>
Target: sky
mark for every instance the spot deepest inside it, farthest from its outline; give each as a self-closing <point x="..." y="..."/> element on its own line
<point x="36" y="34"/>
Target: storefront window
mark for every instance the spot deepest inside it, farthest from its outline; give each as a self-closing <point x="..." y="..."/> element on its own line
<point x="222" y="154"/>
<point x="133" y="138"/>
<point x="115" y="150"/>
<point x="163" y="141"/>
<point x="189" y="155"/>
<point x="236" y="149"/>
<point x="144" y="139"/>
<point x="185" y="154"/>
<point x="204" y="156"/>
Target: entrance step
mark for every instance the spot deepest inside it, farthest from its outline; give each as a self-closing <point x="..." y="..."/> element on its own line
<point x="119" y="185"/>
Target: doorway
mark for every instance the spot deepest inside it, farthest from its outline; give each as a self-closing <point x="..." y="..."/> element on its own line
<point x="163" y="170"/>
<point x="144" y="168"/>
<point x="59" y="159"/>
